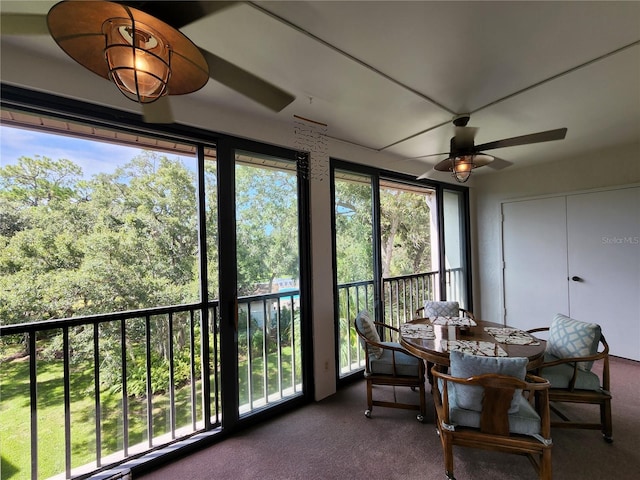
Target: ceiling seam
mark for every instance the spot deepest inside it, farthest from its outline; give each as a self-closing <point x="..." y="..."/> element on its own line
<point x="351" y="57"/>
<point x="530" y="87"/>
<point x="561" y="74"/>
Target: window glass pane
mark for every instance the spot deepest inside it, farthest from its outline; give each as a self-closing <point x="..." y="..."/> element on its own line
<point x="454" y="241"/>
<point x="93" y="227"/>
<point x="354" y="260"/>
<point x="268" y="270"/>
<point x="409" y="249"/>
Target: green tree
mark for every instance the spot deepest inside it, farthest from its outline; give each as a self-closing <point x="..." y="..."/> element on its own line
<point x="266" y="227"/>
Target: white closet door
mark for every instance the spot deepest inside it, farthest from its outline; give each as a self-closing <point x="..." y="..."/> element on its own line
<point x="535" y="261"/>
<point x="604" y="258"/>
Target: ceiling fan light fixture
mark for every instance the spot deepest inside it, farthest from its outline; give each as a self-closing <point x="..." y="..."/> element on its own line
<point x="461" y="167"/>
<point x="145" y="57"/>
<point x="138" y="58"/>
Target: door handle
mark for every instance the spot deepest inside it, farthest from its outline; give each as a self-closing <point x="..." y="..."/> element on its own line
<point x="576" y="279"/>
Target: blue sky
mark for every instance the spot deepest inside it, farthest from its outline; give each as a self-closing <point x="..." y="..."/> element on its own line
<point x="94" y="157"/>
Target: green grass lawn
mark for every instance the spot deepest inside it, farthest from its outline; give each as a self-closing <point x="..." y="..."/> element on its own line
<point x="15" y="413"/>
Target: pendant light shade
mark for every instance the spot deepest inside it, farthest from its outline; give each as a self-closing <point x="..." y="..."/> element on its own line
<point x="461" y="166"/>
<point x="138" y="59"/>
<point x="143" y="56"/>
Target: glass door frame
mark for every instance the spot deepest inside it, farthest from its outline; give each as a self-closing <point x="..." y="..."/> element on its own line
<point x="376" y="176"/>
<point x="227" y="147"/>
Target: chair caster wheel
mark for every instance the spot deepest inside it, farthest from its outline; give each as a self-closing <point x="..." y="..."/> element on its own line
<point x="608" y="439"/>
<point x="420" y="418"/>
<point x="367" y="413"/>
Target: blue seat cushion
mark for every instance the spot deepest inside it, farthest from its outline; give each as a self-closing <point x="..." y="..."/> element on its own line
<point x="406" y="364"/>
<point x="525" y="421"/>
<point x="464" y="365"/>
<point x="559" y="376"/>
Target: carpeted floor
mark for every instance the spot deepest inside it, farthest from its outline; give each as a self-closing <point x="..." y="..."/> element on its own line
<point x="332" y="439"/>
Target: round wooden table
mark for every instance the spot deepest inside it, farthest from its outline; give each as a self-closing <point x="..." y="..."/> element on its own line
<point x="433" y="351"/>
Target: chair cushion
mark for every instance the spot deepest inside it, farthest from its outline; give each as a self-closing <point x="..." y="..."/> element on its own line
<point x="441" y="309"/>
<point x="464" y="365"/>
<point x="367" y="327"/>
<point x="406" y="364"/>
<point x="559" y="376"/>
<point x="524" y="421"/>
<point x="572" y="338"/>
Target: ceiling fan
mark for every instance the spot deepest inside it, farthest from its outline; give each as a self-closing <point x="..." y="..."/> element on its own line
<point x="138" y="46"/>
<point x="464" y="156"/>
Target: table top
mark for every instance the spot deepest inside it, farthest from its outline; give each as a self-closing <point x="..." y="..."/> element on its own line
<point x="434" y="350"/>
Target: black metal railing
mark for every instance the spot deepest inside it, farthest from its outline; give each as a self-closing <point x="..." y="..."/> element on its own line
<point x="152" y="374"/>
<point x="401" y="297"/>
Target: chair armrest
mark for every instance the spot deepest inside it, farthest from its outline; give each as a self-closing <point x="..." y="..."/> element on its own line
<point x="384" y="325"/>
<point x="604" y="353"/>
<point x="539" y="329"/>
<point x="468" y="314"/>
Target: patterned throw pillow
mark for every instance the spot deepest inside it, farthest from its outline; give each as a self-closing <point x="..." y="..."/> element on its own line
<point x="465" y="365"/>
<point x="441" y="309"/>
<point x="368" y="328"/>
<point x="572" y="338"/>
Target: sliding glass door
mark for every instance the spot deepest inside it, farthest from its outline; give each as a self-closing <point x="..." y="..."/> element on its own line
<point x="353" y="210"/>
<point x="269" y="314"/>
<point x="398" y="243"/>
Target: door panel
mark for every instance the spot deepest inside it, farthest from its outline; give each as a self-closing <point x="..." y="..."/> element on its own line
<point x="604" y="252"/>
<point x="535" y="261"/>
<point x="269" y="314"/>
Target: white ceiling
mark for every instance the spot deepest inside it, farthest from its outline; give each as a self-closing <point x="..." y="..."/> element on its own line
<point x="390" y="75"/>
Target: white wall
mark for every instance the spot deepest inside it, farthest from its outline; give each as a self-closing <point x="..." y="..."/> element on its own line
<point x="616" y="166"/>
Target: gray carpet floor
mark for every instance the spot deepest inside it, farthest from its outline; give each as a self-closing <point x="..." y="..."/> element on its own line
<point x="332" y="439"/>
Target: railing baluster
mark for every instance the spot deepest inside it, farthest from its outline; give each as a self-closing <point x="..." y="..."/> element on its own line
<point x="192" y="357"/>
<point x="96" y="390"/>
<point x="249" y="358"/>
<point x="279" y="342"/>
<point x="294" y="382"/>
<point x="67" y="401"/>
<point x="206" y="373"/>
<point x="265" y="383"/>
<point x="172" y="393"/>
<point x="125" y="397"/>
<point x="33" y="396"/>
<point x="149" y="387"/>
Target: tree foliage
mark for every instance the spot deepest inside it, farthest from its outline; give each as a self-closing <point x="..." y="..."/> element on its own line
<point x="405" y="232"/>
<point x="116" y="242"/>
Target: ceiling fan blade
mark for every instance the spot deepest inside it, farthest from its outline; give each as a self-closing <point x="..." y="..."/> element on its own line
<point x="427" y="174"/>
<point x="247" y="83"/>
<point x="427" y="156"/>
<point x="546" y="136"/>
<point x="179" y="14"/>
<point x="499" y="163"/>
<point x="23" y="24"/>
<point x="434" y="175"/>
<point x="158" y="111"/>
